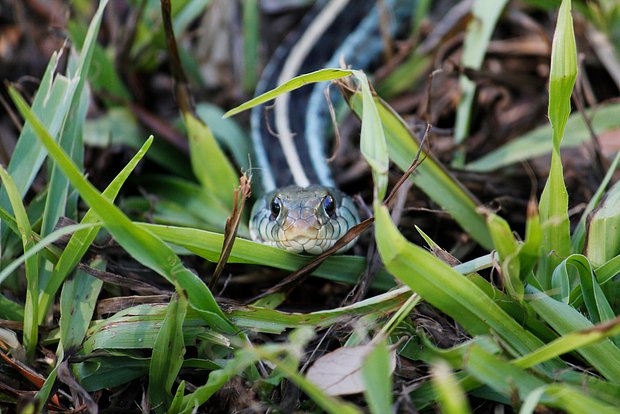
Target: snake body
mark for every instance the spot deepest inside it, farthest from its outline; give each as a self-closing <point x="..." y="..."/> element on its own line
<point x="301" y="210"/>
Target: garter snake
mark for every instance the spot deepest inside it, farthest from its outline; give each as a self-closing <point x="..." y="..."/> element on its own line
<point x="301" y="210"/>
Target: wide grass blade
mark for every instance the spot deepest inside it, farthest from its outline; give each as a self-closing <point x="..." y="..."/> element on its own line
<point x="78" y="300"/>
<point x="446" y="289"/>
<point x="603" y="356"/>
<point x="213" y="170"/>
<point x="208" y="245"/>
<point x="140" y="243"/>
<point x="539" y="141"/>
<point x="167" y="356"/>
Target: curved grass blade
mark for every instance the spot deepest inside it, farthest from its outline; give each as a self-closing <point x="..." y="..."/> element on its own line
<point x="445" y="288"/>
<point x="43" y="244"/>
<point x="82" y="239"/>
<point x="372" y="138"/>
<point x="430" y="176"/>
<point x="297" y="82"/>
<point x="140" y="243"/>
<point x="604" y="356"/>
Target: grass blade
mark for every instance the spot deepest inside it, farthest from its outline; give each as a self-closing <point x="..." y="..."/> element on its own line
<point x="140" y="243"/>
<point x="485" y="14"/>
<point x="31" y="320"/>
<point x="77" y="304"/>
<point x="211" y="167"/>
<point x="372" y="138"/>
<point x="167" y="355"/>
<point x="297" y="82"/>
<point x="81" y="240"/>
<point x="539" y="141"/>
<point x="430" y="176"/>
<point x="445" y="289"/>
<point x="377" y="374"/>
<point x="604" y="356"/>
<point x="450" y="395"/>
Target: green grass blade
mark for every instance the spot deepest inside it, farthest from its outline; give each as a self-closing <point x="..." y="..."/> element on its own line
<point x="569" y="342"/>
<point x="227" y="132"/>
<point x="140" y="243"/>
<point x="70" y="138"/>
<point x="573" y="400"/>
<point x="31" y="320"/>
<point x="604" y="356"/>
<point x="377" y="374"/>
<point x="210" y="164"/>
<point x="209" y="244"/>
<point x="77" y="305"/>
<point x="603" y="238"/>
<point x="251" y="36"/>
<point x="450" y="395"/>
<point x="485" y="14"/>
<point x="554" y="198"/>
<point x="42" y="244"/>
<point x="430" y="176"/>
<point x="445" y="288"/>
<point x="578" y="239"/>
<point x="516" y="383"/>
<point x="539" y="141"/>
<point x="81" y="240"/>
<point x="508" y="250"/>
<point x="167" y="355"/>
<point x="297" y="82"/>
<point x="372" y="138"/>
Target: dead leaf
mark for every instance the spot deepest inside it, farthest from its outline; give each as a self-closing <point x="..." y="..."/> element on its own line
<point x="340" y="371"/>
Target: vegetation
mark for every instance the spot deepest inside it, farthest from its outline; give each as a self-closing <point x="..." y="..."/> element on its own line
<point x="134" y="287"/>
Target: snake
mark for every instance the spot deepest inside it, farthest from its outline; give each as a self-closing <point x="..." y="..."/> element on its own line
<point x="301" y="210"/>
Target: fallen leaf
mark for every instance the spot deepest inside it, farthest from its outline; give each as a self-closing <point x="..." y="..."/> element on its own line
<point x="340" y="371"/>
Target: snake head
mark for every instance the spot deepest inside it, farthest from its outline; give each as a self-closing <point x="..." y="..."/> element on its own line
<point x="303" y="220"/>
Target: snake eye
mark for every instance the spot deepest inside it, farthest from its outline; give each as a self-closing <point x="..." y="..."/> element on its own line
<point x="329" y="205"/>
<point x="276" y="206"/>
